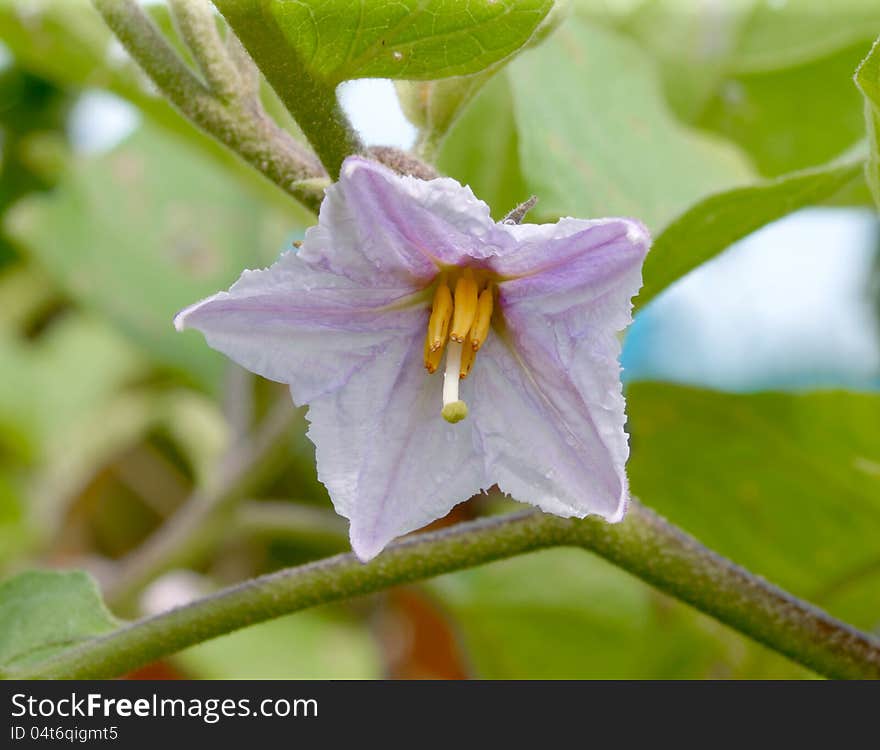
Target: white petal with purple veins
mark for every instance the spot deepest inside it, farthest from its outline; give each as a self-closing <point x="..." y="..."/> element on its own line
<point x="390" y="463"/>
<point x="548" y="398"/>
<point x="375" y="218"/>
<point x="296" y="325"/>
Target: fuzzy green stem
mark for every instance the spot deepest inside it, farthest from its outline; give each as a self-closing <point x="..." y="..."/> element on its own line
<point x="247" y="69"/>
<point x="312" y="102"/>
<point x="645" y="545"/>
<point x="238" y="122"/>
<point x="197" y="25"/>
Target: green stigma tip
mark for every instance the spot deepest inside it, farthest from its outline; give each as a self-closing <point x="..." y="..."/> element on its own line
<point x="455" y="412"/>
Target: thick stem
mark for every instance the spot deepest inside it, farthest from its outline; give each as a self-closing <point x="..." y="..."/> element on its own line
<point x="197" y="25"/>
<point x="240" y="124"/>
<point x="644" y="544"/>
<point x="244" y="64"/>
<point x="403" y="162"/>
<point x="312" y="102"/>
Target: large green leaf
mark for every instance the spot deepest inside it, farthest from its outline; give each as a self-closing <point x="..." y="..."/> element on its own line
<point x="694" y="44"/>
<point x="597" y="139"/>
<point x="868" y="81"/>
<point x="770" y="75"/>
<point x="786" y="484"/>
<point x="718" y="221"/>
<point x="336" y="40"/>
<point x="792" y="118"/>
<point x="786" y="34"/>
<point x="145" y="230"/>
<point x="45" y="612"/>
<point x="612" y="12"/>
<point x="433" y="106"/>
<point x="593" y="622"/>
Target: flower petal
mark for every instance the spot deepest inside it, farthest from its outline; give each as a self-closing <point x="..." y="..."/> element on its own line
<point x="302" y="326"/>
<point x="572" y="254"/>
<point x="388" y="459"/>
<point x="548" y="397"/>
<point x="542" y="443"/>
<point x="376" y="225"/>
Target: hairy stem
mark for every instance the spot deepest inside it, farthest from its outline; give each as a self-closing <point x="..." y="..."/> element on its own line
<point x="312" y="102"/>
<point x="197" y="25"/>
<point x="645" y="545"/>
<point x="244" y="64"/>
<point x="236" y="121"/>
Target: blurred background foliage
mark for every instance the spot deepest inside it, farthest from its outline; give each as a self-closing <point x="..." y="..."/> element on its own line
<point x="111" y="422"/>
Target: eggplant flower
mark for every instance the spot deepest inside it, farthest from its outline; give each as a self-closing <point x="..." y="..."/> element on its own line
<point x="441" y="353"/>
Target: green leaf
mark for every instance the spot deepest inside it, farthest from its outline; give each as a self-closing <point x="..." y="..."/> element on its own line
<point x="868" y="81"/>
<point x="593" y="622"/>
<point x="45" y="612"/>
<point x="482" y="149"/>
<point x="141" y="232"/>
<point x="781" y="119"/>
<point x="411" y="39"/>
<point x="611" y="12"/>
<point x="786" y="484"/>
<point x="433" y="106"/>
<point x="597" y="139"/>
<point x="312" y="645"/>
<point x="781" y="35"/>
<point x="718" y="221"/>
<point x="751" y="70"/>
<point x="694" y="44"/>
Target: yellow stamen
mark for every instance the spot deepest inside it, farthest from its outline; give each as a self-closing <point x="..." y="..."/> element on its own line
<point x="438" y="324"/>
<point x="467" y="361"/>
<point x="482" y="319"/>
<point x="459" y="324"/>
<point x="465" y="305"/>
<point x="432" y="356"/>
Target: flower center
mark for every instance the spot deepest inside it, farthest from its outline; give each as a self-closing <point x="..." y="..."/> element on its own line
<point x="459" y="325"/>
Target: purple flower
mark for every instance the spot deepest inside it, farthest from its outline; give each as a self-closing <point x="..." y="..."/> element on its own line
<point x="402" y="277"/>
